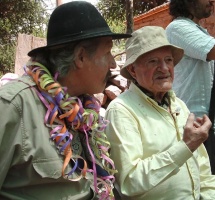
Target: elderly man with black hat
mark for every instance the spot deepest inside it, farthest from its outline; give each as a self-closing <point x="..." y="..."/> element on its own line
<point x="156" y="143"/>
<point x="52" y="141"/>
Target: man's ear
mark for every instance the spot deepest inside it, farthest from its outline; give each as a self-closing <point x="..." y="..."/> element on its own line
<point x="80" y="56"/>
<point x="131" y="71"/>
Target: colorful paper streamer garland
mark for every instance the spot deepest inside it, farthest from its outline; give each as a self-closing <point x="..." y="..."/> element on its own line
<point x="66" y="114"/>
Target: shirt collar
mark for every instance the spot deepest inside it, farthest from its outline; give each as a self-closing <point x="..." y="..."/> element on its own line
<point x="165" y="101"/>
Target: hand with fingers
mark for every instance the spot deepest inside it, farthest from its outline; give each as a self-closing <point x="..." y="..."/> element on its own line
<point x="196" y="131"/>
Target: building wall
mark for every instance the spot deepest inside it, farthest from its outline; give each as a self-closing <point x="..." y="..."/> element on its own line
<point x="25" y="43"/>
<point x="159" y="16"/>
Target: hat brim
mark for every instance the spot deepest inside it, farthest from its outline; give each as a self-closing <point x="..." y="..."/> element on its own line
<point x="177" y="54"/>
<point x="79" y="38"/>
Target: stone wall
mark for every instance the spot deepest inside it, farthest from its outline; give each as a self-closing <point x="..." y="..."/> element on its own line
<point x="115" y="85"/>
<point x="25" y="43"/>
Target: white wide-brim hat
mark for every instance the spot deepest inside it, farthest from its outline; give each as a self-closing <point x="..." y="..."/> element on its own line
<point x="144" y="40"/>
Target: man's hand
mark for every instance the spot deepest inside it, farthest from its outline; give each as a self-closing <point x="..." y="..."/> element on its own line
<point x="196" y="131"/>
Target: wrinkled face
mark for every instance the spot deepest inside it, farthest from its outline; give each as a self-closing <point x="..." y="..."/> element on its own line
<point x="154" y="71"/>
<point x="98" y="66"/>
<point x="202" y="9"/>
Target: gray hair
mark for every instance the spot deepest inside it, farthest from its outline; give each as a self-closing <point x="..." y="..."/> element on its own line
<point x="61" y="58"/>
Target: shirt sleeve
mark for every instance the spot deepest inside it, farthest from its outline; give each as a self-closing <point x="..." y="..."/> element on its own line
<point x="195" y="41"/>
<point x="9" y="132"/>
<point x="138" y="175"/>
<point x="207" y="180"/>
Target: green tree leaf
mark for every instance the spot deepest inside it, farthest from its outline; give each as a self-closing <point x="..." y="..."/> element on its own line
<point x="19" y="16"/>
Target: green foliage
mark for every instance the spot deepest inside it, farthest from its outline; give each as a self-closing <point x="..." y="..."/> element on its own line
<point x="7" y="55"/>
<point x="116" y="9"/>
<point x="19" y="16"/>
<point x="114" y="12"/>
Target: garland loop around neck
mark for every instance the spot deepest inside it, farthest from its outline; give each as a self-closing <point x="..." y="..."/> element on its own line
<point x="68" y="115"/>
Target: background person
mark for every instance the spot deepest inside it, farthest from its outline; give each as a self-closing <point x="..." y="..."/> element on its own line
<point x="156" y="143"/>
<point x="195" y="72"/>
<point x="8" y="77"/>
<point x="52" y="141"/>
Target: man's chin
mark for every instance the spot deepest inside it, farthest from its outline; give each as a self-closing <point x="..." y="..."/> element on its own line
<point x="166" y="87"/>
<point x="101" y="90"/>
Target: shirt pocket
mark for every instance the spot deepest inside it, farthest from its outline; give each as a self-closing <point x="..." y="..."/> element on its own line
<point x="49" y="168"/>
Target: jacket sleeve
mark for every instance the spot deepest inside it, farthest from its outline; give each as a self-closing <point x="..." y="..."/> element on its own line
<point x="10" y="131"/>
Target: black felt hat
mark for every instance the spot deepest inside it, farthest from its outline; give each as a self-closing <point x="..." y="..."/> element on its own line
<point x="76" y="21"/>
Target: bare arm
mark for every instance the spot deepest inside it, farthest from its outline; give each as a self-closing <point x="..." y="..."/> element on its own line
<point x="211" y="54"/>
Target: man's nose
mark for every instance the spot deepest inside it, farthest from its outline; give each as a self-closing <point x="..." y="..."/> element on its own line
<point x="163" y="65"/>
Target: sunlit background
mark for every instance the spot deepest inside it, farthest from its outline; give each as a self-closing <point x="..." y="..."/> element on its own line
<point x="51" y="4"/>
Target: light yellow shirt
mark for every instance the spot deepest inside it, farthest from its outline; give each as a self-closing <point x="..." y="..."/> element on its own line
<point x="153" y="162"/>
